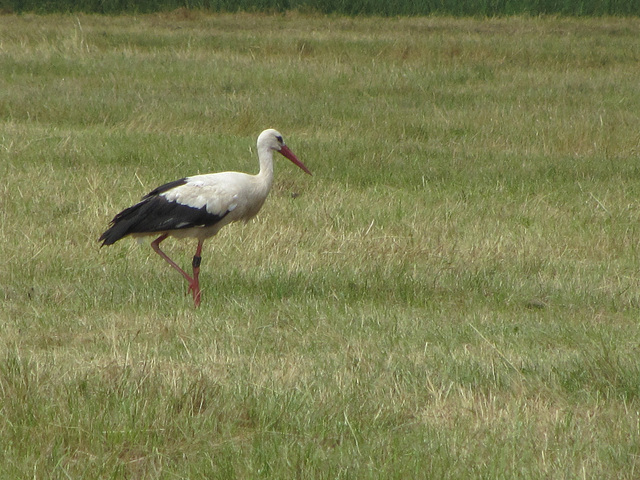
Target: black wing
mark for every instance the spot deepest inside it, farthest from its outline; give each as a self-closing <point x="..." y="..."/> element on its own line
<point x="157" y="214"/>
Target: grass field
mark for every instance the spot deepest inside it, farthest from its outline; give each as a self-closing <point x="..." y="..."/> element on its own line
<point x="453" y="294"/>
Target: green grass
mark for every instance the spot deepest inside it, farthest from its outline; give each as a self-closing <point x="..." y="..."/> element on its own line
<point x="453" y="294"/>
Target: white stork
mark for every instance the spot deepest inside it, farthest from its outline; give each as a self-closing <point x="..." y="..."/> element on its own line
<point x="199" y="206"/>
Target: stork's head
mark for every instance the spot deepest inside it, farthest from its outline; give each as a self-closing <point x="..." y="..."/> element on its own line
<point x="272" y="140"/>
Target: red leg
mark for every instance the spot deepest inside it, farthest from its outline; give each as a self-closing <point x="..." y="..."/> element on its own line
<point x="195" y="286"/>
<point x="156" y="247"/>
<point x="193" y="283"/>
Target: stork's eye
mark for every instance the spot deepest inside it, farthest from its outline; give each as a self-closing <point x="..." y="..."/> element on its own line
<point x="279" y="138"/>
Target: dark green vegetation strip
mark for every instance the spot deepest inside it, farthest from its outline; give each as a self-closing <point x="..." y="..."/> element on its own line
<point x="342" y="7"/>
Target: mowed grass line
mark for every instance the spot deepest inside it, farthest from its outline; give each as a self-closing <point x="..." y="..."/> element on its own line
<point x="453" y="294"/>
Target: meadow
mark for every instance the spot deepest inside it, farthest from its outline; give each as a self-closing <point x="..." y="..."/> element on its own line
<point x="453" y="294"/>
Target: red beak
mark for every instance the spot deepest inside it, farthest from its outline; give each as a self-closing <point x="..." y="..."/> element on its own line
<point x="284" y="150"/>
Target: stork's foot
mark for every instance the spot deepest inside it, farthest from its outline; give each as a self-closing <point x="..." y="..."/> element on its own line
<point x="194" y="288"/>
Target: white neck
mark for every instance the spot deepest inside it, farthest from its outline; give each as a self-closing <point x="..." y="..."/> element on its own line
<point x="265" y="156"/>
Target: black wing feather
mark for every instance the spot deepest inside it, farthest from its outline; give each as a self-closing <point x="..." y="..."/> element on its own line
<point x="166" y="187"/>
<point x="157" y="214"/>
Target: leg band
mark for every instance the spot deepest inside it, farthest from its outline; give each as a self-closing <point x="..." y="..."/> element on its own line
<point x="196" y="261"/>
